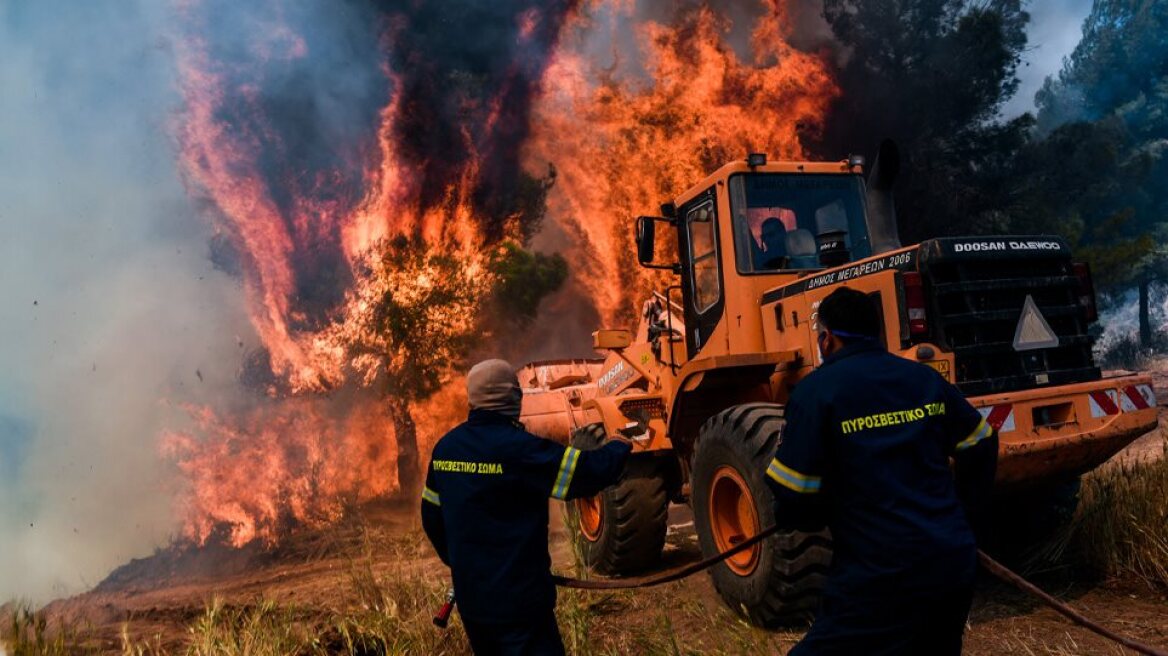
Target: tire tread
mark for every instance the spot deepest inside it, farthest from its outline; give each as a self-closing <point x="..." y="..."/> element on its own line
<point x="639" y="508"/>
<point x="800" y="559"/>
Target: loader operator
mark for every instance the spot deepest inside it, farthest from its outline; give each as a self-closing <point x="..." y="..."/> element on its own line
<point x="866" y="449"/>
<point x="485" y="510"/>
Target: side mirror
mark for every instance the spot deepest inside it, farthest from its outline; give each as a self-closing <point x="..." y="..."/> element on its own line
<point x="646" y="229"/>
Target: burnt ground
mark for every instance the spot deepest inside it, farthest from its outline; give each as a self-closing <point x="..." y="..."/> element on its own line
<point x="156" y="599"/>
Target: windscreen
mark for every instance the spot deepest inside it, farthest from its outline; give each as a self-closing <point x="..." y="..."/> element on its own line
<point x="780" y="218"/>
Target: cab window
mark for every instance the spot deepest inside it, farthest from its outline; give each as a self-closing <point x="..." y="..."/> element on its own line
<point x="703" y="256"/>
<point x="780" y="217"/>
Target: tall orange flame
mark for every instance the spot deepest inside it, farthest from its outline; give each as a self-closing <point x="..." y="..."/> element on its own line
<point x="299" y="460"/>
<point x="623" y="146"/>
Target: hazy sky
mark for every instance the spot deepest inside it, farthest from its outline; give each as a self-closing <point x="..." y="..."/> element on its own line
<point x="1055" y="29"/>
<point x="109" y="308"/>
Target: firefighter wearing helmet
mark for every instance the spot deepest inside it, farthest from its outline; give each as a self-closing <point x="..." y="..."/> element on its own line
<point x="485" y="510"/>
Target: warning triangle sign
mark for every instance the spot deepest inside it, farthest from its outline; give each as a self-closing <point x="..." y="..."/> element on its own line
<point x="1033" y="332"/>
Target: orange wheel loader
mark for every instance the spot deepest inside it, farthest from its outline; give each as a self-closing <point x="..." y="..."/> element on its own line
<point x="700" y="386"/>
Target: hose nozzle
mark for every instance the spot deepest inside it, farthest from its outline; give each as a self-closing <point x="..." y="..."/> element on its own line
<point x="442" y="617"/>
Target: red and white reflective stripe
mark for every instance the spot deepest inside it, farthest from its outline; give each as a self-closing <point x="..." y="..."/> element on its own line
<point x="1104" y="403"/>
<point x="1137" y="397"/>
<point x="999" y="417"/>
<point x="1149" y="394"/>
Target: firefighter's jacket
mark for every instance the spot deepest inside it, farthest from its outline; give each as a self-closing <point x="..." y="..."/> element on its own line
<point x="485" y="509"/>
<point x="866" y="447"/>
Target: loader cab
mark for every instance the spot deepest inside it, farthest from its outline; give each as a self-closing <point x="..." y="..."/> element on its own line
<point x="752" y="226"/>
<point x="795" y="222"/>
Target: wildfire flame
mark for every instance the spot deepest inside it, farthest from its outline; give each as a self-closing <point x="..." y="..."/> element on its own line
<point x="324" y="437"/>
<point x="623" y="146"/>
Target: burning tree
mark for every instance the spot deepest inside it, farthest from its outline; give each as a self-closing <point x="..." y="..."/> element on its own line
<point x="420" y="312"/>
<point x="416" y="316"/>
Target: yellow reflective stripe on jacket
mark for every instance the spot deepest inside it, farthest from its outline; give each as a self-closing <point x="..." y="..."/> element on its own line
<point x="567" y="470"/>
<point x="793" y="480"/>
<point x="431" y="496"/>
<point x="982" y="431"/>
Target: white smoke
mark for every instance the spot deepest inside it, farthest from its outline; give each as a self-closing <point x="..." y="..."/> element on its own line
<point x="1055" y="28"/>
<point x="109" y="309"/>
<point x="1121" y="318"/>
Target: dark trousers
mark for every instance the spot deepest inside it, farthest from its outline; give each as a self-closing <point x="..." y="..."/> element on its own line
<point x="930" y="624"/>
<point x="538" y="637"/>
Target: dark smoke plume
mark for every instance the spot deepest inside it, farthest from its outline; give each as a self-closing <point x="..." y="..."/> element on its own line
<point x="304" y="85"/>
<point x="302" y="88"/>
<point x="468" y="73"/>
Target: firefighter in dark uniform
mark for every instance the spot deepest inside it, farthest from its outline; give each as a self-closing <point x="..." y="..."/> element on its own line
<point x="866" y="449"/>
<point x="485" y="510"/>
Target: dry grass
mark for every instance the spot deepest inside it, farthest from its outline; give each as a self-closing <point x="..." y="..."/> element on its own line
<point x="387" y="600"/>
<point x="1023" y="641"/>
<point x="262" y="630"/>
<point x="1121" y="527"/>
<point x="386" y="614"/>
<point x="655" y="622"/>
<point x="26" y="633"/>
<point x="384" y="611"/>
<point x="593" y="622"/>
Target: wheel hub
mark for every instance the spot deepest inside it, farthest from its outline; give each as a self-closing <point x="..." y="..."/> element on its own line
<point x="733" y="519"/>
<point x="591" y="514"/>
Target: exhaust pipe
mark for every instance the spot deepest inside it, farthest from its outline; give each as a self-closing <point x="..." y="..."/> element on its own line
<point x="882" y="227"/>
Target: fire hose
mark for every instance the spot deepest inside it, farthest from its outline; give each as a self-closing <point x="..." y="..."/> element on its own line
<point x="992" y="566"/>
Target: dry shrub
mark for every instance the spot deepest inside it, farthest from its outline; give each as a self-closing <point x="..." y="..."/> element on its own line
<point x="387" y="613"/>
<point x="1121" y="528"/>
<point x="24" y="632"/>
<point x="260" y="630"/>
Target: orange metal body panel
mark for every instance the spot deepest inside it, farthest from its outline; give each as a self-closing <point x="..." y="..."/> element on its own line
<point x="554" y="394"/>
<point x="1082" y="442"/>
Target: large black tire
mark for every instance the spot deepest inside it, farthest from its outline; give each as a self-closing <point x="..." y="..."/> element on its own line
<point x="779" y="581"/>
<point x="626" y="533"/>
